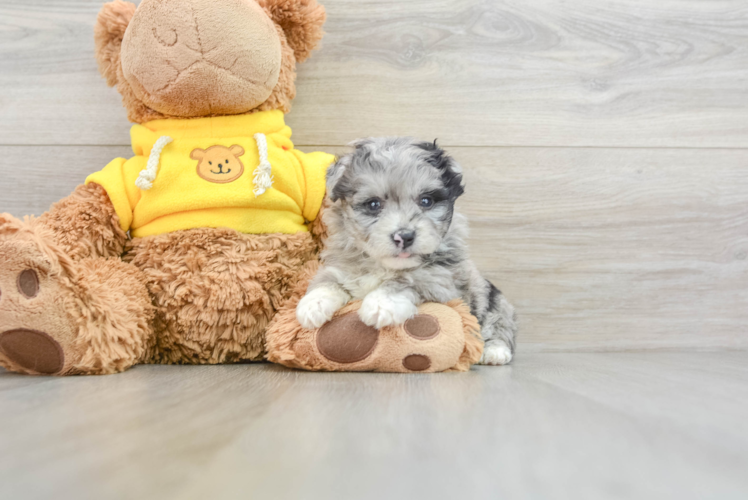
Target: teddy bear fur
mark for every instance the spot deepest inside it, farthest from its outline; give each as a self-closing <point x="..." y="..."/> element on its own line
<point x="104" y="302"/>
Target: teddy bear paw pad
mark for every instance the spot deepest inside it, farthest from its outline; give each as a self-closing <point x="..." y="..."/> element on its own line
<point x="346" y="339"/>
<point x="33" y="350"/>
<point x="417" y="362"/>
<point x="28" y="283"/>
<point x="422" y="327"/>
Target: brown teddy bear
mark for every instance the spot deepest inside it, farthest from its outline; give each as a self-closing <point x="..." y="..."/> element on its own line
<point x="184" y="253"/>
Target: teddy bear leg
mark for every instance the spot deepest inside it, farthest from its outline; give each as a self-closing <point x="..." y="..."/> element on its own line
<point x="216" y="290"/>
<point x="63" y="317"/>
<point x="441" y="337"/>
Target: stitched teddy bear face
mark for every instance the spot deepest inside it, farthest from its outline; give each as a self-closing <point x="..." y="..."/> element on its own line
<point x="176" y="58"/>
<point x="196" y="58"/>
<point x="219" y="164"/>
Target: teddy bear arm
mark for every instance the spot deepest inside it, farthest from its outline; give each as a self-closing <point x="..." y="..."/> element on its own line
<point x="85" y="224"/>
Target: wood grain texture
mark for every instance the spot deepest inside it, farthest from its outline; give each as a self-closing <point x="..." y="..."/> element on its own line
<point x="472" y="72"/>
<point x="577" y="426"/>
<point x="615" y="248"/>
<point x="599" y="249"/>
<point x="35" y="177"/>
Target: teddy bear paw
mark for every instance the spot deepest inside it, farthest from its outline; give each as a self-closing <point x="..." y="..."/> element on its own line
<point x="33" y="321"/>
<point x="346" y="339"/>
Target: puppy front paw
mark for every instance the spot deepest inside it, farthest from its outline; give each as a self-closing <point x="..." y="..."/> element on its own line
<point x="319" y="306"/>
<point x="381" y="309"/>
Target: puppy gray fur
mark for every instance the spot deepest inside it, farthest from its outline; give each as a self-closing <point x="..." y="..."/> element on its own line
<point x="395" y="241"/>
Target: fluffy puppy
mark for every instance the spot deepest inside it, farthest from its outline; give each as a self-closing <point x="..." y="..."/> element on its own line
<point x="395" y="241"/>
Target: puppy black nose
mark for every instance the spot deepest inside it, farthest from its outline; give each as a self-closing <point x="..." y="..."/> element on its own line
<point x="404" y="239"/>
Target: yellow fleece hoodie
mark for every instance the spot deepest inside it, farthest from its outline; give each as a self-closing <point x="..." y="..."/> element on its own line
<point x="208" y="172"/>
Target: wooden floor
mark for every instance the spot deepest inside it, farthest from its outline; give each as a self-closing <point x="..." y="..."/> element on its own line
<point x="578" y="426"/>
<point x="605" y="145"/>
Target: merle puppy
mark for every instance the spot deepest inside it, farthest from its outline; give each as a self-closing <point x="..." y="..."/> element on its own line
<point x="395" y="241"/>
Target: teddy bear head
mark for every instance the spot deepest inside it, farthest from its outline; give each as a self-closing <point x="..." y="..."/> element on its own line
<point x="195" y="58"/>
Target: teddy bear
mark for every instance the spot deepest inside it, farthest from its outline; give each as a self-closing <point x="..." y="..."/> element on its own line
<point x="199" y="246"/>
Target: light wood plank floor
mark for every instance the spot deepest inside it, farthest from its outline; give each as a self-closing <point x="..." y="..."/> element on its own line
<point x="578" y="426"/>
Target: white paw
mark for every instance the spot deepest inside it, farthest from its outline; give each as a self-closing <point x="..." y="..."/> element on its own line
<point x="318" y="306"/>
<point x="496" y="354"/>
<point x="381" y="309"/>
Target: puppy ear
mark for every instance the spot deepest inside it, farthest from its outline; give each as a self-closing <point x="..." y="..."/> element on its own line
<point x="197" y="154"/>
<point x="339" y="185"/>
<point x="451" y="171"/>
<point x="108" y="34"/>
<point x="236" y="150"/>
<point x="335" y="188"/>
<point x="301" y="21"/>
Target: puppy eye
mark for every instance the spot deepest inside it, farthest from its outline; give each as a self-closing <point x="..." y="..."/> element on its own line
<point x="426" y="202"/>
<point x="374" y="205"/>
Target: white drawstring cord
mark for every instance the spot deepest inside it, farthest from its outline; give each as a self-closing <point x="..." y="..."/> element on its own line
<point x="148" y="175"/>
<point x="263" y="174"/>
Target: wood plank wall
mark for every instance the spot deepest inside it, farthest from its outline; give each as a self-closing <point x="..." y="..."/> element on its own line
<point x="605" y="143"/>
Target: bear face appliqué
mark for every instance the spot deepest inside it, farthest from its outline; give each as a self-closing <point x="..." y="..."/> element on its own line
<point x="219" y="164"/>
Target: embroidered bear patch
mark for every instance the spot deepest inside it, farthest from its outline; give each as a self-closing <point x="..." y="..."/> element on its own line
<point x="219" y="164"/>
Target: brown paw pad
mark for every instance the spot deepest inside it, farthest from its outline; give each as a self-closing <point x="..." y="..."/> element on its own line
<point x="417" y="362"/>
<point x="28" y="283"/>
<point x="422" y="327"/>
<point x="33" y="350"/>
<point x="346" y="339"/>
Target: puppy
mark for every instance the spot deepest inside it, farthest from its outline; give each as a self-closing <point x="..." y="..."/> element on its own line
<point x="395" y="241"/>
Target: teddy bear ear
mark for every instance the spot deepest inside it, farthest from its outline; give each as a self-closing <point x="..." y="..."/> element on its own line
<point x="197" y="154"/>
<point x="9" y="224"/>
<point x="236" y="150"/>
<point x="301" y="21"/>
<point x="108" y="34"/>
